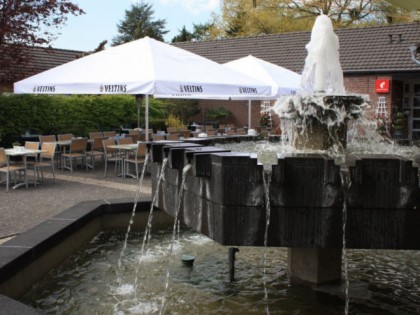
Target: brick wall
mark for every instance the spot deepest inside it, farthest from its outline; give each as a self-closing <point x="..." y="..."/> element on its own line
<point x="365" y="84"/>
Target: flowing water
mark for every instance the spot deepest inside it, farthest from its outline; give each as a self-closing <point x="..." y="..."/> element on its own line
<point x="174" y="233"/>
<point x="382" y="282"/>
<point x="346" y="183"/>
<point x="136" y="199"/>
<point x="267" y="183"/>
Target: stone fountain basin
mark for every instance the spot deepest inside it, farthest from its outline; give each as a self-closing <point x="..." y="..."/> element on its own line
<point x="26" y="258"/>
<point x="224" y="199"/>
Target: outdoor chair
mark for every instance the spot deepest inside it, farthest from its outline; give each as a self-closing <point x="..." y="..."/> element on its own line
<point x="111" y="155"/>
<point x="96" y="134"/>
<point x="143" y="136"/>
<point x="48" y="138"/>
<point x="51" y="138"/>
<point x="139" y="158"/>
<point x="46" y="160"/>
<point x="77" y="152"/>
<point x="15" y="169"/>
<point x="31" y="145"/>
<point x="96" y="149"/>
<point x="186" y="133"/>
<point x="126" y="140"/>
<point x="241" y="131"/>
<point x="172" y="136"/>
<point x="157" y="137"/>
<point x="109" y="134"/>
<point x="65" y="137"/>
<point x="135" y="137"/>
<point x="209" y="128"/>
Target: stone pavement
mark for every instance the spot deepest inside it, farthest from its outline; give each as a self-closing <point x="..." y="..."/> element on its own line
<point x="21" y="208"/>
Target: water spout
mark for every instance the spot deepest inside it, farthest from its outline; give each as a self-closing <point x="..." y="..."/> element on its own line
<point x="319" y="113"/>
<point x="322" y="72"/>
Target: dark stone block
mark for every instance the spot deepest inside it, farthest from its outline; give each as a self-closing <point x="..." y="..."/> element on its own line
<point x="306" y="227"/>
<point x="237" y="226"/>
<point x="200" y="159"/>
<point x="383" y="181"/>
<point x="305" y="180"/>
<point x="236" y="179"/>
<point x="156" y="149"/>
<point x="175" y="154"/>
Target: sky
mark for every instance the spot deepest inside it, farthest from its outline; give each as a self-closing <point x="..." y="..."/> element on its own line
<point x="85" y="32"/>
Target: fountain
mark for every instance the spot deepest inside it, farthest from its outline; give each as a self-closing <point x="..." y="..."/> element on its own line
<point x="224" y="192"/>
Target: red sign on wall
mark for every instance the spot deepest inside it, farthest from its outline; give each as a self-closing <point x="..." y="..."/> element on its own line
<point x="382" y="86"/>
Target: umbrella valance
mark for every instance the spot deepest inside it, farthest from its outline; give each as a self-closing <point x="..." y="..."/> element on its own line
<point x="282" y="81"/>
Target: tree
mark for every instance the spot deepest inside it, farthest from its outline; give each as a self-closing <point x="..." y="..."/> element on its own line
<point x="345" y="13"/>
<point x="28" y="23"/>
<point x="200" y="32"/>
<point x="203" y="31"/>
<point x="246" y="17"/>
<point x="184" y="36"/>
<point x="139" y="23"/>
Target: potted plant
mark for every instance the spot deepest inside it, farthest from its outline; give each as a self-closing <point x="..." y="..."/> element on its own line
<point x="399" y="125"/>
<point x="174" y="124"/>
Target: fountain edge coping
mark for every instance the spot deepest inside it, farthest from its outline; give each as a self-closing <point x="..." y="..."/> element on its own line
<point x="24" y="249"/>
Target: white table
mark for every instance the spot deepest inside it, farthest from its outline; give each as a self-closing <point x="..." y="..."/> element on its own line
<point x="23" y="152"/>
<point x="131" y="147"/>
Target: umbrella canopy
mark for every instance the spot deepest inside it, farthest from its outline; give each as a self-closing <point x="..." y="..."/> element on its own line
<point x="406" y="4"/>
<point x="144" y="66"/>
<point x="282" y="81"/>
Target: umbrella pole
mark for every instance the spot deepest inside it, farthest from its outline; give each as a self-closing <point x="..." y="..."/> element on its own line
<point x="249" y="113"/>
<point x="139" y="99"/>
<point x="146" y="114"/>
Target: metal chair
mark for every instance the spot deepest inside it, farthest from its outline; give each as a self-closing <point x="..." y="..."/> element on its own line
<point x="97" y="149"/>
<point x="11" y="169"/>
<point x="111" y="155"/>
<point x="46" y="159"/>
<point x="77" y="151"/>
<point x="139" y="158"/>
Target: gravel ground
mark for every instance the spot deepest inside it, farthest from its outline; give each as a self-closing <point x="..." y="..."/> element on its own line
<point x="21" y="208"/>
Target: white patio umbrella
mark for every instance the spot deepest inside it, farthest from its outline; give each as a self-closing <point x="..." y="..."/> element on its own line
<point x="282" y="81"/>
<point x="144" y="67"/>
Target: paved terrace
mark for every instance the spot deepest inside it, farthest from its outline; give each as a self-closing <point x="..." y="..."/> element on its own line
<point x="21" y="208"/>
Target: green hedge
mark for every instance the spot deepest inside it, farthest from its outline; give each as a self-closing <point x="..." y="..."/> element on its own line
<point x="79" y="114"/>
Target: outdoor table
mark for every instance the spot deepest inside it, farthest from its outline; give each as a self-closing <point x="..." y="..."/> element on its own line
<point x="64" y="144"/>
<point x="131" y="147"/>
<point x="23" y="152"/>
